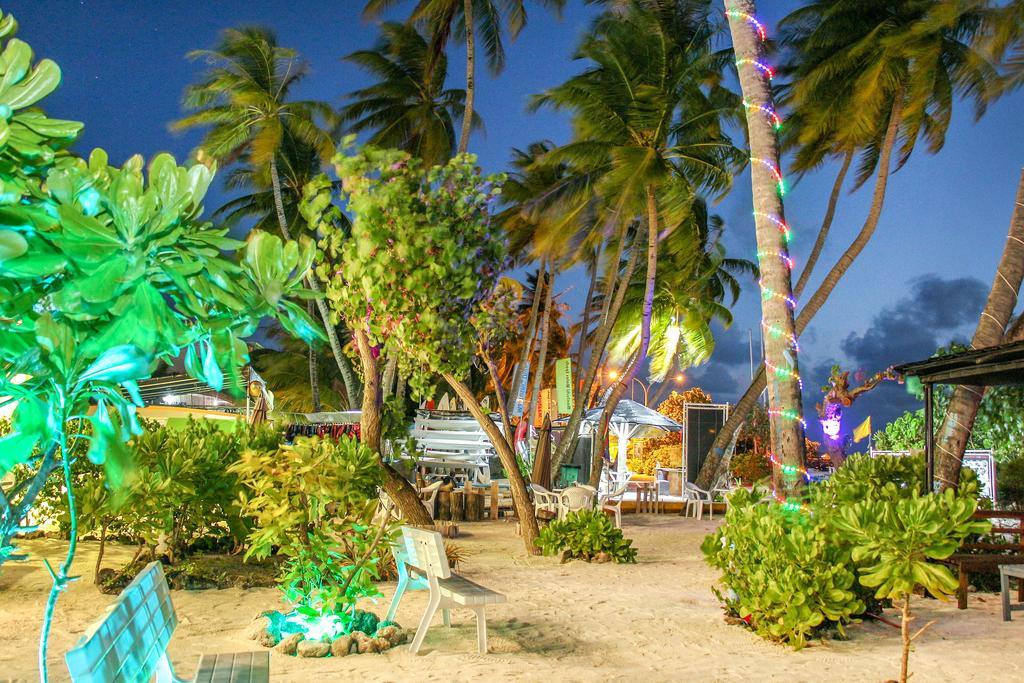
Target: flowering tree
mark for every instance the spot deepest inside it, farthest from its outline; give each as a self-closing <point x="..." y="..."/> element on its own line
<point x="414" y="277"/>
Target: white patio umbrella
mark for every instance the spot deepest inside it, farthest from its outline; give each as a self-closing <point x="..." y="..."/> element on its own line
<point x="628" y="419"/>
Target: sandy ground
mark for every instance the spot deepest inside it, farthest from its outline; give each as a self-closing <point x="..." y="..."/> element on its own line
<point x="653" y="621"/>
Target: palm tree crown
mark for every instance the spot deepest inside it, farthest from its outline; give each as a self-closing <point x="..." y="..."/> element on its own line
<point x="243" y="99"/>
<point x="408" y="108"/>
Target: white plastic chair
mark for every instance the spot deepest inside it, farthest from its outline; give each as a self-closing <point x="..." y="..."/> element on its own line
<point x="428" y="494"/>
<point x="576" y="498"/>
<point x="612" y="502"/>
<point x="544" y="500"/>
<point x="696" y="497"/>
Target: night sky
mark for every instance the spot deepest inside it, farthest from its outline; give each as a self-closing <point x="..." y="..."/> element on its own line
<point x="920" y="283"/>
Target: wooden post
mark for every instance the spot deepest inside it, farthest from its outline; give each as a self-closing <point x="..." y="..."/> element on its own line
<point x="459" y="505"/>
<point x="494" y="500"/>
<point x="474" y="505"/>
<point x="444" y="504"/>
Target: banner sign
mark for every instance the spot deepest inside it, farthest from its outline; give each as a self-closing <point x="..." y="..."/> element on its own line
<point x="564" y="386"/>
<point x="519" y="400"/>
<point x="546" y="405"/>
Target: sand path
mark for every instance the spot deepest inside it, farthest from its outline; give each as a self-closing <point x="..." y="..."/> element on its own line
<point x="653" y="621"/>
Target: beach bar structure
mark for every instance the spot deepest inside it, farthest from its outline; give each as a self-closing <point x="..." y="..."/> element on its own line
<point x="992" y="366"/>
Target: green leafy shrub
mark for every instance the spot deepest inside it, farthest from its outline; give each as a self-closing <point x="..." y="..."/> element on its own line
<point x="182" y="494"/>
<point x="586" y="534"/>
<point x="784" y="572"/>
<point x="894" y="543"/>
<point x="315" y="501"/>
<point x="792" y="573"/>
<point x="1011" y="483"/>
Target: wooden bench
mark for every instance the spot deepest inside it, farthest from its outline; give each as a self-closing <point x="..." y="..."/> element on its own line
<point x="986" y="557"/>
<point x="425" y="557"/>
<point x="129" y="644"/>
<point x="1005" y="572"/>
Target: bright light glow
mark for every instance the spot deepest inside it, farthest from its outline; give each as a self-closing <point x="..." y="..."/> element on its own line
<point x="613" y="375"/>
<point x="680" y="378"/>
<point x="328" y="626"/>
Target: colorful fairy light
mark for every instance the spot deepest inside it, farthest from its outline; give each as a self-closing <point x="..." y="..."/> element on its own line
<point x="789" y="414"/>
<point x="789" y="470"/>
<point x="783" y="256"/>
<point x="768" y="111"/>
<point x="776" y="173"/>
<point x="784" y="372"/>
<point x="769" y="293"/>
<point x="760" y="66"/>
<point x="787" y="234"/>
<point x="762" y="32"/>
<point x="775" y="332"/>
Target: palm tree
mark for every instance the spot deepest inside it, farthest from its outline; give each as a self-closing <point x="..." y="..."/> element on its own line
<point x="872" y="77"/>
<point x="780" y="346"/>
<point x="285" y="373"/>
<point x="648" y="128"/>
<point x="1003" y="41"/>
<point x="464" y="19"/>
<point x="697" y="285"/>
<point x="408" y="108"/>
<point x="546" y="230"/>
<point x="243" y="101"/>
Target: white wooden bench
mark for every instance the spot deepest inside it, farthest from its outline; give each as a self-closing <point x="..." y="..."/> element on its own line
<point x="129" y="644"/>
<point x="425" y="557"/>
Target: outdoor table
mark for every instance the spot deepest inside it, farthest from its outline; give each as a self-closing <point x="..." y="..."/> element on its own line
<point x="647" y="496"/>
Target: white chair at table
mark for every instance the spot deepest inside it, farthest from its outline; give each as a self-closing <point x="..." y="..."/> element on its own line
<point x="612" y="502"/>
<point x="696" y="498"/>
<point x="544" y="501"/>
<point x="723" y="487"/>
<point x="428" y="494"/>
<point x="576" y="498"/>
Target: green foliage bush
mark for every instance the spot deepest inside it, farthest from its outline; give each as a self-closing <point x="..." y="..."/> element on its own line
<point x="315" y="502"/>
<point x="586" y="534"/>
<point x="784" y="571"/>
<point x="180" y="496"/>
<point x="792" y="573"/>
<point x="1011" y="483"/>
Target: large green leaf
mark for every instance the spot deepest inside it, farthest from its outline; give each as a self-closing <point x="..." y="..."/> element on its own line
<point x="118" y="364"/>
<point x="12" y="245"/>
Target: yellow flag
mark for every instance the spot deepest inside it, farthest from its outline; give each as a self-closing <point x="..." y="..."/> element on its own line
<point x="862" y="431"/>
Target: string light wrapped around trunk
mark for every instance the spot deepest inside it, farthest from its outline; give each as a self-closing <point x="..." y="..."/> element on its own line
<point x="789" y="472"/>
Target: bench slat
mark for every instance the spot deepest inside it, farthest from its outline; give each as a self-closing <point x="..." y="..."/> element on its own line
<point x="240" y="667"/>
<point x="462" y="591"/>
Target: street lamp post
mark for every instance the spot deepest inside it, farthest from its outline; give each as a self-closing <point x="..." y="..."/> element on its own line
<point x="643" y="386"/>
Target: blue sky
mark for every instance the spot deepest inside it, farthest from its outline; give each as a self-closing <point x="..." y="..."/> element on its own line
<point x="920" y="283"/>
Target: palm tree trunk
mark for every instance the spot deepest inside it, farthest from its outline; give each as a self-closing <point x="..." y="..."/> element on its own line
<point x="826" y="225"/>
<point x="1002" y="299"/>
<point x="645" y="326"/>
<point x="520" y="497"/>
<point x="395" y="485"/>
<point x="545" y="333"/>
<point x="611" y="307"/>
<point x="351" y="385"/>
<point x="519" y="374"/>
<point x="581" y="348"/>
<point x="467" y="115"/>
<point x="314" y="369"/>
<point x="784" y="399"/>
<point x="499" y="393"/>
<point x="717" y="462"/>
